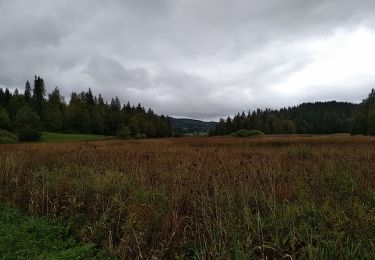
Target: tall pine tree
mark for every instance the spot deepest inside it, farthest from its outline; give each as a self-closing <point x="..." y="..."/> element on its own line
<point x="27" y="94"/>
<point x="39" y="92"/>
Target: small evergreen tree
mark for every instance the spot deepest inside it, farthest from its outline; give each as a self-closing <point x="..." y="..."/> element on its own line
<point x="27" y="125"/>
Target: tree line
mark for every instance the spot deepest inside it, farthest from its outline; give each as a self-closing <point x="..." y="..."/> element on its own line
<point x="364" y="117"/>
<point x="33" y="111"/>
<point x="307" y="118"/>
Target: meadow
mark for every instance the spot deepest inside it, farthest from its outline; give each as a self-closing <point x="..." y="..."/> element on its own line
<point x="290" y="197"/>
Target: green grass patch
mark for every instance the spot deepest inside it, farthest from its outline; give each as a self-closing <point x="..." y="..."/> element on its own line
<point x="7" y="137"/>
<point x="247" y="133"/>
<point x="48" y="137"/>
<point x="26" y="237"/>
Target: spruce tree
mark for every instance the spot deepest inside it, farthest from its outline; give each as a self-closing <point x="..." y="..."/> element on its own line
<point x="27" y="93"/>
<point x="7" y="97"/>
<point x="39" y="92"/>
<point x="2" y="98"/>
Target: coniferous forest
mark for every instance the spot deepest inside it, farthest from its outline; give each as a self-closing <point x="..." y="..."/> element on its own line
<point x="33" y="111"/>
<point x="308" y="118"/>
<point x="29" y="113"/>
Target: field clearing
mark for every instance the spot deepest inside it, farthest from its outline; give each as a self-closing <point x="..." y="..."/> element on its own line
<point x="272" y="196"/>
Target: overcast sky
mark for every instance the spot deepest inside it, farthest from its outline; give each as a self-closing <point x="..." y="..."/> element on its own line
<point x="193" y="58"/>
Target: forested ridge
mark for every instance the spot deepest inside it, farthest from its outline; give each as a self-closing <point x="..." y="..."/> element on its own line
<point x="307" y="118"/>
<point x="85" y="112"/>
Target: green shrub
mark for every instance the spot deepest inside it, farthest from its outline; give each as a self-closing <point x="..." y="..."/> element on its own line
<point x="247" y="133"/>
<point x="27" y="124"/>
<point x="140" y="136"/>
<point x="7" y="137"/>
<point x="5" y="122"/>
<point x="123" y="133"/>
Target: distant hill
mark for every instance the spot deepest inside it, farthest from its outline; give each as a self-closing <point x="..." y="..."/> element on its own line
<point x="187" y="125"/>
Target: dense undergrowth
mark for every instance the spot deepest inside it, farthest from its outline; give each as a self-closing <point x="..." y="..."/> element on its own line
<point x="25" y="237"/>
<point x="303" y="197"/>
<point x="7" y="137"/>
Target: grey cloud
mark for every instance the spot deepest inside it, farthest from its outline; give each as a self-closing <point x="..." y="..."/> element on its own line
<point x="166" y="89"/>
<point x="111" y="72"/>
<point x="193" y="58"/>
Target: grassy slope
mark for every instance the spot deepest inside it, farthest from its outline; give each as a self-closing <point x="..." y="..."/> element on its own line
<point x="48" y="137"/>
<point x="25" y="237"/>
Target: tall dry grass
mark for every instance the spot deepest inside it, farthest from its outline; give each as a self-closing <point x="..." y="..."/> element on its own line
<point x="267" y="197"/>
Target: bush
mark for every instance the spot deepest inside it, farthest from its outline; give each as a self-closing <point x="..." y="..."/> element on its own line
<point x="7" y="137"/>
<point x="5" y="122"/>
<point x="27" y="124"/>
<point x="140" y="136"/>
<point x="247" y="133"/>
<point x="123" y="133"/>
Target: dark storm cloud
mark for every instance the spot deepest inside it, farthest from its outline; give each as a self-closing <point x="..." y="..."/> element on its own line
<point x="193" y="58"/>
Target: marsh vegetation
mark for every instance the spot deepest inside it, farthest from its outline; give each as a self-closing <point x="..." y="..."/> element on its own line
<point x="221" y="197"/>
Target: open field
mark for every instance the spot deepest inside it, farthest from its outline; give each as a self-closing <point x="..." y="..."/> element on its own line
<point x="307" y="197"/>
<point x="48" y="137"/>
